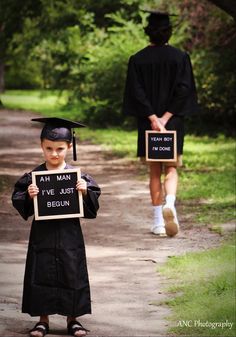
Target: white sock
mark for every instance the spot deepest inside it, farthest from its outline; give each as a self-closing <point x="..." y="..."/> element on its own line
<point x="158" y="217"/>
<point x="170" y="200"/>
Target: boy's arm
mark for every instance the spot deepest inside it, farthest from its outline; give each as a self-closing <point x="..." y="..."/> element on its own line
<point x="90" y="197"/>
<point x="20" y="197"/>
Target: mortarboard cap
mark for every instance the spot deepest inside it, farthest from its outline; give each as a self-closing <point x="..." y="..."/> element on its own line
<point x="158" y="19"/>
<point x="56" y="129"/>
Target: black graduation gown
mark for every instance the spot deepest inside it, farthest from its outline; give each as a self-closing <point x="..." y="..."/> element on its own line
<point x="56" y="278"/>
<point x="159" y="79"/>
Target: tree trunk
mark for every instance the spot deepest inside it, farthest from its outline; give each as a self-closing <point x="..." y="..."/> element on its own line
<point x="2" y="82"/>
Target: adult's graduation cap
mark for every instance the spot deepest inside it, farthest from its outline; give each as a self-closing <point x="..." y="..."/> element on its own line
<point x="57" y="129"/>
<point x="158" y="19"/>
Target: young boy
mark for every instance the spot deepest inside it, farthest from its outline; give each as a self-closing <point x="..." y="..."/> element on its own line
<point x="56" y="278"/>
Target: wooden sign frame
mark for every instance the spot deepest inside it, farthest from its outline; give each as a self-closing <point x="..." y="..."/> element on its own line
<point x="45" y="203"/>
<point x="160" y="139"/>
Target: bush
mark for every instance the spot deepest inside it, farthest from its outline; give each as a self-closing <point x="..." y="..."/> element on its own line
<point x="103" y="72"/>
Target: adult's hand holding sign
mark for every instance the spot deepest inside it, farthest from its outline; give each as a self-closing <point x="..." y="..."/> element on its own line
<point x="161" y="146"/>
<point x="57" y="195"/>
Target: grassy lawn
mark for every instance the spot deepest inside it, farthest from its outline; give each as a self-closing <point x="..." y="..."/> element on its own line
<point x="39" y="101"/>
<point x="48" y="103"/>
<point x="208" y="178"/>
<point x="120" y="142"/>
<point x="203" y="288"/>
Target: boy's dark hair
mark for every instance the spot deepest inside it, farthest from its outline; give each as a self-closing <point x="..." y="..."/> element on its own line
<point x="158" y="35"/>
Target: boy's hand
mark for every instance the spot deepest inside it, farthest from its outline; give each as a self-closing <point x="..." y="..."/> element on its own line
<point x="82" y="186"/>
<point x="33" y="190"/>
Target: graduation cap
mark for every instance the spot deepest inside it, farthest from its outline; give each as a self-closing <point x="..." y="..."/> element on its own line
<point x="56" y="129"/>
<point x="158" y="19"/>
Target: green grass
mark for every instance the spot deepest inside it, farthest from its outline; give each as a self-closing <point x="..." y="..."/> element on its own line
<point x="120" y="142"/>
<point x="203" y="291"/>
<point x="39" y="101"/>
<point x="48" y="103"/>
<point x="207" y="180"/>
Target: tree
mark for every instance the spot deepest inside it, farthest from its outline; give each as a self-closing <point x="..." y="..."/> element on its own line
<point x="49" y="18"/>
<point x="77" y="45"/>
<point x="210" y="37"/>
<point x="229" y="6"/>
<point x="12" y="16"/>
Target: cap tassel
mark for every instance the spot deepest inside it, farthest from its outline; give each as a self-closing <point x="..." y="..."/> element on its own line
<point x="74" y="146"/>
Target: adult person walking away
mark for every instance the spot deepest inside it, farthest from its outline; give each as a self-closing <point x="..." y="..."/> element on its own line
<point x="160" y="91"/>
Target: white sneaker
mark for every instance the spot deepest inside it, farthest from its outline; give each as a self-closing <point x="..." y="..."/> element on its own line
<point x="171" y="221"/>
<point x="158" y="230"/>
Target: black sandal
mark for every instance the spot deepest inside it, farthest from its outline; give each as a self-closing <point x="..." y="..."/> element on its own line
<point x="42" y="327"/>
<point x="74" y="326"/>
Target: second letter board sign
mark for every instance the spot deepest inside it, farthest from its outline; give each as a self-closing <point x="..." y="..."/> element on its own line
<point x="57" y="197"/>
<point x="161" y="146"/>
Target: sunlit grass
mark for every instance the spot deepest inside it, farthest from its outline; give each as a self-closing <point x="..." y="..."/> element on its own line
<point x="204" y="290"/>
<point x="206" y="153"/>
<point x="120" y="142"/>
<point x="38" y="101"/>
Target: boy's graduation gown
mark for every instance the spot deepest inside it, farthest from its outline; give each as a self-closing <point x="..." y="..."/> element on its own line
<point x="159" y="79"/>
<point x="56" y="277"/>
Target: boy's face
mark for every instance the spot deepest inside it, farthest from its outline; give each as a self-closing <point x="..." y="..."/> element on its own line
<point x="55" y="152"/>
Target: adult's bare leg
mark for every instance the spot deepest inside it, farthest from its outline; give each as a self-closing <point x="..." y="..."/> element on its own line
<point x="155" y="186"/>
<point x="169" y="211"/>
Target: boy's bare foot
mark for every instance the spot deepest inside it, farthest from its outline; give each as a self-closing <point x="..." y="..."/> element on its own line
<point x="75" y="328"/>
<point x="39" y="330"/>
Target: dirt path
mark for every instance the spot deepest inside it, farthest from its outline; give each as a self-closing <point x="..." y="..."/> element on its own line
<point x="122" y="254"/>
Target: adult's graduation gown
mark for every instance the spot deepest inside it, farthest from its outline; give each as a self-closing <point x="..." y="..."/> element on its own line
<point x="56" y="278"/>
<point x="160" y="79"/>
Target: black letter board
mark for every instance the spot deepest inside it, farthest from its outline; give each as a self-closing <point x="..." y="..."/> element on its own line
<point x="57" y="197"/>
<point x="161" y="146"/>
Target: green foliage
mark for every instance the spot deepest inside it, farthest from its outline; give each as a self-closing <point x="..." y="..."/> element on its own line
<point x="204" y="291"/>
<point x="209" y="35"/>
<point x="19" y="77"/>
<point x="57" y="47"/>
<point x="12" y="15"/>
<point x="104" y="71"/>
<point x="83" y="48"/>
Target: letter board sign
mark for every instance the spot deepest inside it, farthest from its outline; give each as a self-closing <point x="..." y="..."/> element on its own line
<point x="57" y="197"/>
<point x="161" y="146"/>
